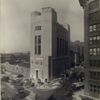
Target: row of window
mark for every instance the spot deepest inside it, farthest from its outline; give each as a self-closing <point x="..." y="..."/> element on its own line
<point x="62" y="47"/>
<point x="94" y="51"/>
<point x="95" y="88"/>
<point x="94" y="17"/>
<point x="95" y="75"/>
<point x="94" y="63"/>
<point x="37" y="28"/>
<point x="38" y="45"/>
<point x="94" y="40"/>
<point x="94" y="27"/>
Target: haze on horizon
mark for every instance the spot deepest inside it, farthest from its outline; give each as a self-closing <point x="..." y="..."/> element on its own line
<point x="15" y="21"/>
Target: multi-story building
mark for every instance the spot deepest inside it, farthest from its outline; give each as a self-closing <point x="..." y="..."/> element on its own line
<point x="49" y="45"/>
<point x="92" y="47"/>
<point x="77" y="53"/>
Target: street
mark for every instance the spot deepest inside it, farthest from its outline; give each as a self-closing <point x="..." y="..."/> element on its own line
<point x="10" y="91"/>
<point x="62" y="93"/>
<point x="59" y="94"/>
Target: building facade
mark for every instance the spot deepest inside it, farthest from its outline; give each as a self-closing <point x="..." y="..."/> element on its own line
<point x="92" y="47"/>
<point x="77" y="53"/>
<point x="49" y="45"/>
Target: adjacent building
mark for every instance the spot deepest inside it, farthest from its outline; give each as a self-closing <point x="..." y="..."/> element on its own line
<point x="76" y="53"/>
<point x="49" y="45"/>
<point x="92" y="47"/>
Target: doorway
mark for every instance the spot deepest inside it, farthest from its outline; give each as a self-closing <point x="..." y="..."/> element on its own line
<point x="36" y="74"/>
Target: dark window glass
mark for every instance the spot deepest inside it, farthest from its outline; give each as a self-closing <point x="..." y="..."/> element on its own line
<point x="37" y="27"/>
<point x="39" y="39"/>
<point x="58" y="46"/>
<point x="38" y="45"/>
<point x="39" y="49"/>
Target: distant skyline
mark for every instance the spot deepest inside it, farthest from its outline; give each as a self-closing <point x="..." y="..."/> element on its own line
<point x="16" y="19"/>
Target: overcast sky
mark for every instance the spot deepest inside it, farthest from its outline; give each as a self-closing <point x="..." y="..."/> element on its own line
<point x="15" y="21"/>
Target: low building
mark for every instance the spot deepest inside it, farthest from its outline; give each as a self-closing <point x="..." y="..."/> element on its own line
<point x="16" y="69"/>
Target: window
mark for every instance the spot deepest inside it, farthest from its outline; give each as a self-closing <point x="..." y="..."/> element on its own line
<point x="66" y="47"/>
<point x="90" y="40"/>
<point x="98" y="37"/>
<point x="95" y="75"/>
<point x="98" y="51"/>
<point x="94" y="17"/>
<point x="90" y="28"/>
<point x="95" y="88"/>
<point x="39" y="49"/>
<point x="62" y="47"/>
<point x="39" y="39"/>
<point x="98" y="27"/>
<point x="94" y="40"/>
<point x="37" y="27"/>
<point x="94" y="63"/>
<point x="94" y="51"/>
<point x="91" y="53"/>
<point x="94" y="27"/>
<point x="38" y="45"/>
<point x="58" y="49"/>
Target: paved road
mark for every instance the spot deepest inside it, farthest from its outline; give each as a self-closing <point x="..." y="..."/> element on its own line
<point x="59" y="94"/>
<point x="42" y="94"/>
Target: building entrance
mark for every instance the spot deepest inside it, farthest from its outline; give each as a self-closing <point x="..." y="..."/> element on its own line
<point x="37" y="74"/>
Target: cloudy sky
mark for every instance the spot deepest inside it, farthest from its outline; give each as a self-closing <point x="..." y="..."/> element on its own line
<point x="15" y="21"/>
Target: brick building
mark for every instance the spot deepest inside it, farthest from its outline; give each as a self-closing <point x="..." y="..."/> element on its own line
<point x="92" y="47"/>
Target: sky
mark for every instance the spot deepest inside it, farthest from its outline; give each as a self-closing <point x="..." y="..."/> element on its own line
<point x="15" y="21"/>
